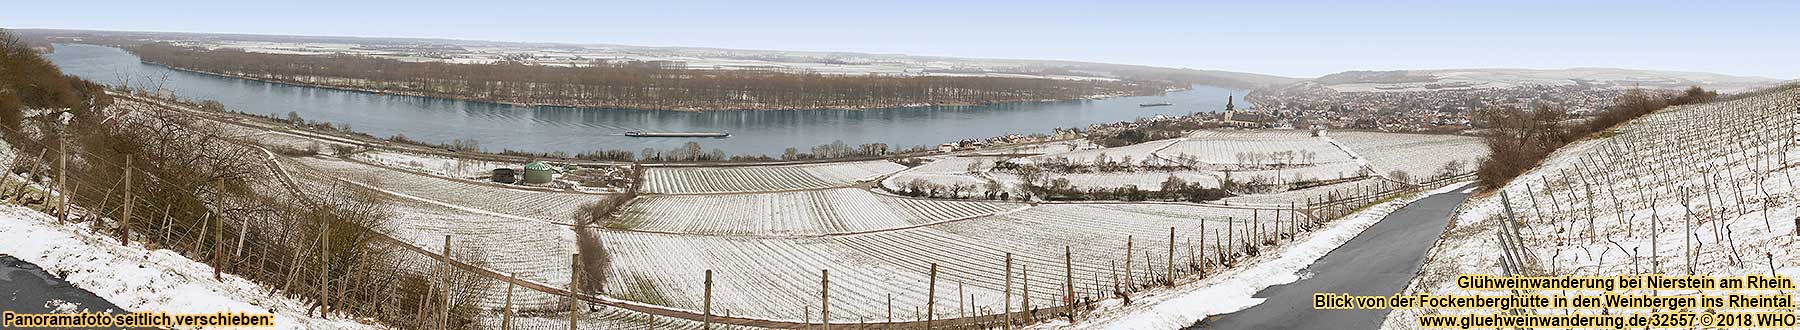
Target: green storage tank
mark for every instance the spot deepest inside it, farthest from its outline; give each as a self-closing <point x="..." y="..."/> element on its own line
<point x="538" y="173"/>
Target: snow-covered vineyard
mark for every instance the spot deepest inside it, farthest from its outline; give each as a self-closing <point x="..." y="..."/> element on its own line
<point x="691" y="180"/>
<point x="797" y="213"/>
<point x="1703" y="189"/>
<point x="544" y="206"/>
<point x="765" y="232"/>
<point x="765" y="276"/>
<point x="1211" y="157"/>
<point x="1417" y="154"/>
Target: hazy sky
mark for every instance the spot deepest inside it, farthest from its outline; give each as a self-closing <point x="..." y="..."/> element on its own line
<point x="1300" y="38"/>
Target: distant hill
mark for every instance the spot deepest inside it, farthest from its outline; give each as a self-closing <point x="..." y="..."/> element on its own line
<point x="1421" y="80"/>
<point x="565" y="54"/>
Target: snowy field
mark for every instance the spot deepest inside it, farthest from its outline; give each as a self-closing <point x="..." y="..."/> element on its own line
<point x="1301" y="196"/>
<point x="540" y="205"/>
<point x="1699" y="189"/>
<point x="1136" y="152"/>
<point x="797" y="213"/>
<point x="777" y="277"/>
<point x="1420" y="155"/>
<point x="873" y="249"/>
<point x="1432" y="80"/>
<point x="1144" y="180"/>
<point x="1283" y="156"/>
<point x="735" y="179"/>
<point x="947" y="171"/>
<point x="1320" y="171"/>
<point x="435" y="165"/>
<point x="1231" y="147"/>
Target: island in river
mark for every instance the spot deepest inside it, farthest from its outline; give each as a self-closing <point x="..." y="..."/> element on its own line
<point x="629" y="84"/>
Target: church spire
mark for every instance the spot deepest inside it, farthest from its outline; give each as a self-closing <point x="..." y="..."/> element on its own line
<point x="1228" y="102"/>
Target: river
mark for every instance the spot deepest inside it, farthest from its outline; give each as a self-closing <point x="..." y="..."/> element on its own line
<point x="546" y="129"/>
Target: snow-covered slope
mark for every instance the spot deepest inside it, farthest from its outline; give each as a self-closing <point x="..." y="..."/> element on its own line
<point x="1422" y="80"/>
<point x="141" y="280"/>
<point x="1715" y="181"/>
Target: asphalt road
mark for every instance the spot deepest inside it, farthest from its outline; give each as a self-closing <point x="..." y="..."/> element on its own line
<point x="1379" y="261"/>
<point x="25" y="288"/>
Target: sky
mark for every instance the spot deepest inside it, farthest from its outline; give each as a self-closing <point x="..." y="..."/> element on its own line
<point x="1287" y="38"/>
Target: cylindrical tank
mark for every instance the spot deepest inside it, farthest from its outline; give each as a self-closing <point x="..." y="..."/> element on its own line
<point x="538" y="173"/>
<point x="505" y="175"/>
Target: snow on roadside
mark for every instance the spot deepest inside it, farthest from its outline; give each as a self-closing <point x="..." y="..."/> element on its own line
<point x="1234" y="290"/>
<point x="144" y="281"/>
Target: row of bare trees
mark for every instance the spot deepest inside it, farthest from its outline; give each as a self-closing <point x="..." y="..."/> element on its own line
<point x="631" y="85"/>
<point x="1519" y="139"/>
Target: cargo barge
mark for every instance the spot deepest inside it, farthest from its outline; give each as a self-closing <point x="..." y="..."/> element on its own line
<point x="678" y="134"/>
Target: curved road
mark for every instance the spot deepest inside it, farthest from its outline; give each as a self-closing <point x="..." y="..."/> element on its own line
<point x="1377" y="262"/>
<point x="25" y="288"/>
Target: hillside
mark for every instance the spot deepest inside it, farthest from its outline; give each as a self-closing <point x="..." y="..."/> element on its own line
<point x="1610" y="78"/>
<point x="1698" y="189"/>
<point x="139" y="278"/>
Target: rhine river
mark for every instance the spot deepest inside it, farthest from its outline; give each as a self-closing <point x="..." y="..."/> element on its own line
<point x="573" y="130"/>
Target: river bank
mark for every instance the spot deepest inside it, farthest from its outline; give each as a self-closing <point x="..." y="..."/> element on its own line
<point x="576" y="94"/>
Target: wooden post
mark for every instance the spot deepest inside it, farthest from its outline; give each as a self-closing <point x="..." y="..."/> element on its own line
<point x="219" y="248"/>
<point x="1129" y="284"/>
<point x="706" y="303"/>
<point x="125" y="231"/>
<point x="507" y="313"/>
<point x="1202" y="260"/>
<point x="931" y="297"/>
<point x="324" y="265"/>
<point x="574" y="290"/>
<point x="1025" y="292"/>
<point x="1256" y="233"/>
<point x="1277" y="228"/>
<point x="825" y="298"/>
<point x="1171" y="267"/>
<point x="1687" y="250"/>
<point x="62" y="179"/>
<point x="972" y="312"/>
<point x="1230" y="242"/>
<point x="167" y="222"/>
<point x="1293" y="221"/>
<point x="962" y="309"/>
<point x="1069" y="280"/>
<point x="1006" y="294"/>
<point x="890" y="310"/>
<point x="448" y="269"/>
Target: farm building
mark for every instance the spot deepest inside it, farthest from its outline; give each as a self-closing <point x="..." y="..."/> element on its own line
<point x="538" y="173"/>
<point x="503" y="175"/>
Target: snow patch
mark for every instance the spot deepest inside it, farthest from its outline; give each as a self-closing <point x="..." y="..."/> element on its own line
<point x="142" y="280"/>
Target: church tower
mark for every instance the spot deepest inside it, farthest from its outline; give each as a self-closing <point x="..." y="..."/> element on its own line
<point x="1228" y="106"/>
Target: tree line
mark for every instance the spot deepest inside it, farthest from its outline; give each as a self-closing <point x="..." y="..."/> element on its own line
<point x="630" y="84"/>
